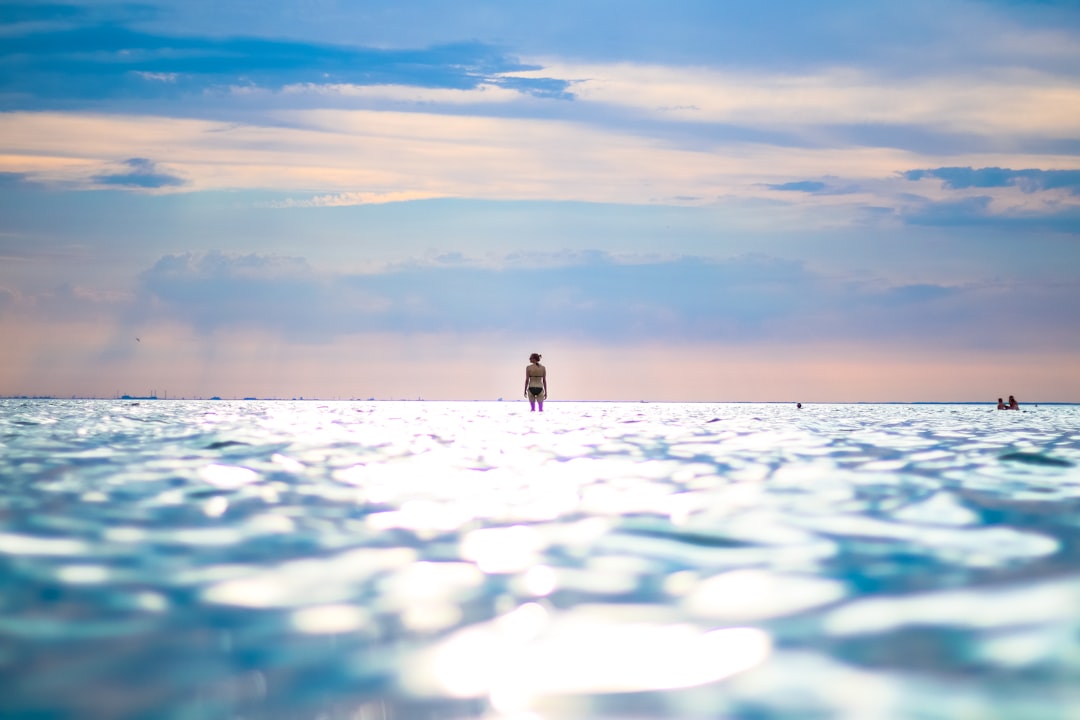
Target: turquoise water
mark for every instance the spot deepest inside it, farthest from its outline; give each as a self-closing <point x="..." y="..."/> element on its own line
<point x="183" y="559"/>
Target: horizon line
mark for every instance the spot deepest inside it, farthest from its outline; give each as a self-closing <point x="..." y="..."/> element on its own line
<point x="216" y="398"/>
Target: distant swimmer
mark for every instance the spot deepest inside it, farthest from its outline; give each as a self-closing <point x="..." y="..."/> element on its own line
<point x="1002" y="405"/>
<point x="1013" y="405"/>
<point x="798" y="406"/>
<point x="535" y="383"/>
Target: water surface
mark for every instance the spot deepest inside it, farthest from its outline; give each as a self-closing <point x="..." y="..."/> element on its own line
<point x="188" y="559"/>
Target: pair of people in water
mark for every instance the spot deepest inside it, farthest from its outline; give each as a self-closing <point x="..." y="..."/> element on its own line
<point x="535" y="383"/>
<point x="1013" y="405"/>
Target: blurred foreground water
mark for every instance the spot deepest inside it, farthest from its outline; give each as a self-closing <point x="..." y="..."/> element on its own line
<point x="184" y="559"/>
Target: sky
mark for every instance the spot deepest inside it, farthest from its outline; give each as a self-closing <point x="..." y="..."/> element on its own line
<point x="689" y="200"/>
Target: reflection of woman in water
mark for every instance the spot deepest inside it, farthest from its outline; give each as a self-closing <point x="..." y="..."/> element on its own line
<point x="535" y="382"/>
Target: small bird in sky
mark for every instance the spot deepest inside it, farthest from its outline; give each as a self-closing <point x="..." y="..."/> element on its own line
<point x="138" y="340"/>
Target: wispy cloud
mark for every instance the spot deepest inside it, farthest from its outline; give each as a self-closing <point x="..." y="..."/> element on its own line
<point x="91" y="63"/>
<point x="983" y="211"/>
<point x="139" y="173"/>
<point x="1040" y="102"/>
<point x="352" y="198"/>
<point x="807" y="186"/>
<point x="741" y="301"/>
<point x="339" y="157"/>
<point x="1028" y="180"/>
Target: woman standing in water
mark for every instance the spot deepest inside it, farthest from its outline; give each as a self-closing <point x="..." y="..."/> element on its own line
<point x="535" y="382"/>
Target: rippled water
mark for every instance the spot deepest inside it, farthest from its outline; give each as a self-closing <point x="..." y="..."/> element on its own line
<point x="422" y="560"/>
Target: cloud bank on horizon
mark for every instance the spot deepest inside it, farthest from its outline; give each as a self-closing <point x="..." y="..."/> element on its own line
<point x="887" y="181"/>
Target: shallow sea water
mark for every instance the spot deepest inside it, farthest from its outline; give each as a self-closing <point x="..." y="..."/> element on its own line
<point x="382" y="560"/>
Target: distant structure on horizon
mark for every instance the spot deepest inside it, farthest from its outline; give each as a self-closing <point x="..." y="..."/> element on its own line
<point x="151" y="396"/>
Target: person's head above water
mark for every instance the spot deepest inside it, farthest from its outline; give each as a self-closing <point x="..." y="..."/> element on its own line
<point x="535" y="357"/>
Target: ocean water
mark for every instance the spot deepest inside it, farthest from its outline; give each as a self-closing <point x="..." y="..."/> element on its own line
<point x="381" y="560"/>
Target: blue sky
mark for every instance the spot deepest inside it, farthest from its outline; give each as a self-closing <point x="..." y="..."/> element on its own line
<point x="686" y="201"/>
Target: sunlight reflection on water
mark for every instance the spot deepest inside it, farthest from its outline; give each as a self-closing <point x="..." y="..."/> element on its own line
<point x="602" y="560"/>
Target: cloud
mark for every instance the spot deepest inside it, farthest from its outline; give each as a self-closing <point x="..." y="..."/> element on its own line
<point x="336" y="158"/>
<point x="686" y="300"/>
<point x="331" y="124"/>
<point x="231" y="267"/>
<point x="158" y="76"/>
<point x="65" y="303"/>
<point x="959" y="212"/>
<point x="1028" y="180"/>
<point x="111" y="61"/>
<point x="215" y="291"/>
<point x="141" y="173"/>
<point x="340" y="151"/>
<point x="7" y="299"/>
<point x="814" y="187"/>
<point x="72" y="302"/>
<point x="919" y="293"/>
<point x="919" y="36"/>
<point x="807" y="186"/>
<point x="991" y="212"/>
<point x="10" y="179"/>
<point x="597" y="297"/>
<point x="851" y="101"/>
<point x="804" y="100"/>
<point x="353" y="198"/>
<point x="12" y="13"/>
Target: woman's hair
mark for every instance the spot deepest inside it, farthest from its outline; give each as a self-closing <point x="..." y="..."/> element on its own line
<point x="535" y="357"/>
